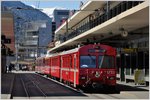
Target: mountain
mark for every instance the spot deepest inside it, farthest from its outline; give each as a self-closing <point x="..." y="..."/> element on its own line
<point x="49" y="11"/>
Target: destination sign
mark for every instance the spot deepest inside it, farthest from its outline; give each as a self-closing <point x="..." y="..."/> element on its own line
<point x="96" y="50"/>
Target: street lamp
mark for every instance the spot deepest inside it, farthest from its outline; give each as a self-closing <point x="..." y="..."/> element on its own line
<point x="17" y="44"/>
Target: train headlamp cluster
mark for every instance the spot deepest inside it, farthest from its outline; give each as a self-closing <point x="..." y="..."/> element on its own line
<point x="111" y="78"/>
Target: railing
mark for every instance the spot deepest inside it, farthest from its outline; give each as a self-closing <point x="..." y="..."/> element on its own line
<point x="96" y="19"/>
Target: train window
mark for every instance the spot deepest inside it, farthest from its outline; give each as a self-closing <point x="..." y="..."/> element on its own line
<point x="106" y="62"/>
<point x="88" y="61"/>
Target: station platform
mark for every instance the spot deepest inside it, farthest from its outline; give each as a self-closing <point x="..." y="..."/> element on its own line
<point x="132" y="84"/>
<point x="7" y="81"/>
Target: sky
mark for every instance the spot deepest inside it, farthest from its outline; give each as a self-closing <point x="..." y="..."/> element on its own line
<point x="68" y="4"/>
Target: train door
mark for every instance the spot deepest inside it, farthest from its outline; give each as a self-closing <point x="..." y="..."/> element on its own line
<point x="61" y="64"/>
<point x="75" y="68"/>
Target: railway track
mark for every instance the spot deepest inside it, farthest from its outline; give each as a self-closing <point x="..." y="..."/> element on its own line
<point x="32" y="85"/>
<point x="102" y="94"/>
<point x="26" y="86"/>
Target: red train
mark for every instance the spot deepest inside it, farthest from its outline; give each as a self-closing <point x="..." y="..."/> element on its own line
<point x="92" y="64"/>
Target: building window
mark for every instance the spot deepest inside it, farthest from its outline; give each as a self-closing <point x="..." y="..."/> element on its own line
<point x="63" y="13"/>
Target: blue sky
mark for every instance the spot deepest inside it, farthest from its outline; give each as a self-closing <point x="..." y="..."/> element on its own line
<point x="69" y="4"/>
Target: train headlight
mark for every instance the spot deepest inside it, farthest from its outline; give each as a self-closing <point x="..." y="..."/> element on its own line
<point x="111" y="78"/>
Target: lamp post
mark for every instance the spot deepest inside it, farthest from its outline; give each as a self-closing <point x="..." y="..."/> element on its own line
<point x="17" y="44"/>
<point x="17" y="66"/>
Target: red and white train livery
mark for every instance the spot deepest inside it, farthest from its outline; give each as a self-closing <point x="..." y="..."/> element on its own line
<point x="83" y="66"/>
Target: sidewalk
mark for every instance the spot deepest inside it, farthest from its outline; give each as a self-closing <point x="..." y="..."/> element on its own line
<point x="7" y="81"/>
<point x="132" y="84"/>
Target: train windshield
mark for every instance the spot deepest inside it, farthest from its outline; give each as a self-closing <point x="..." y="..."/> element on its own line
<point x="106" y="62"/>
<point x="88" y="61"/>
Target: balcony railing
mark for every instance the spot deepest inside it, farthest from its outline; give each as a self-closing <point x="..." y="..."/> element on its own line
<point x="96" y="19"/>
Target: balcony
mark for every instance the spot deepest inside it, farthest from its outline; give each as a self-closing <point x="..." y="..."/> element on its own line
<point x="96" y="19"/>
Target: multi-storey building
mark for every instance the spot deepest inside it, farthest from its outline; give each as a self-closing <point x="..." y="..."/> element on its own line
<point x="59" y="16"/>
<point x="7" y="28"/>
<point x="121" y="24"/>
<point x="7" y="38"/>
<point x="36" y="39"/>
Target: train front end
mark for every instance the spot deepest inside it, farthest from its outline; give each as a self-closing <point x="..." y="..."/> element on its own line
<point x="97" y="66"/>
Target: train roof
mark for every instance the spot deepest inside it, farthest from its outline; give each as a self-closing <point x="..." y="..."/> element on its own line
<point x="69" y="51"/>
<point x="63" y="52"/>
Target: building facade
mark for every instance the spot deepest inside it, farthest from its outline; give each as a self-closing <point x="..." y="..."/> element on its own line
<point x="121" y="24"/>
<point x="36" y="39"/>
<point x="59" y="17"/>
<point x="7" y="38"/>
<point x="7" y="28"/>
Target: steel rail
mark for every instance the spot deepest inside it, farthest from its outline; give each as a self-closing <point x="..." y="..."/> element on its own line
<point x="29" y="77"/>
<point x="27" y="94"/>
